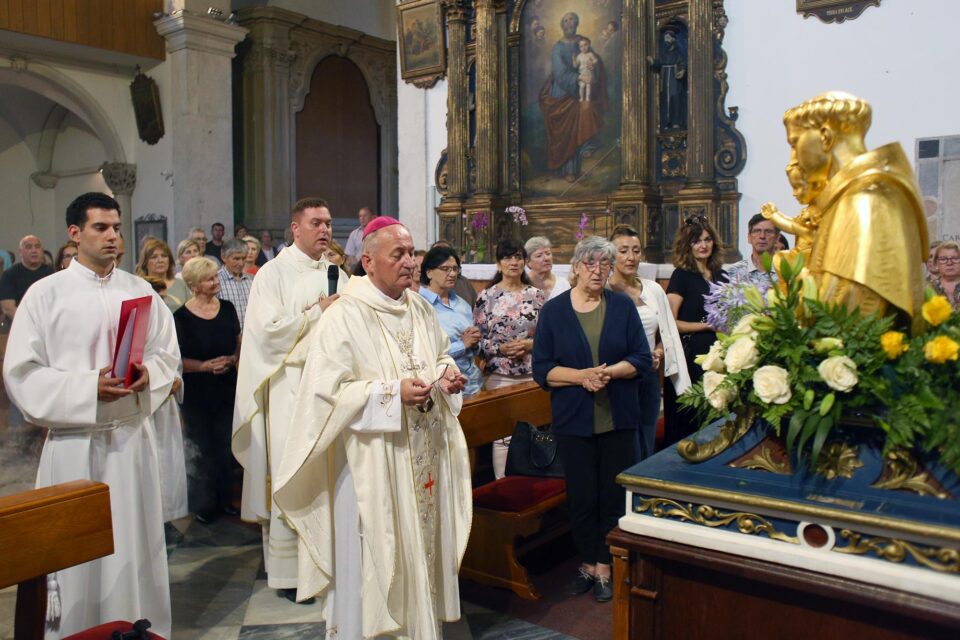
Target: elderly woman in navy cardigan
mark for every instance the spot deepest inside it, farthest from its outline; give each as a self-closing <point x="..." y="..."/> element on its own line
<point x="589" y="346"/>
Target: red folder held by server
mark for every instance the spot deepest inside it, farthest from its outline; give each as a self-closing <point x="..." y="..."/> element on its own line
<point x="131" y="338"/>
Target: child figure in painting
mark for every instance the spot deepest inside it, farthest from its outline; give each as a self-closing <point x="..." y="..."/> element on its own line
<point x="586" y="63"/>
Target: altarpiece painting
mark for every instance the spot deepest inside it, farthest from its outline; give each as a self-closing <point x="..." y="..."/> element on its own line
<point x="588" y="114"/>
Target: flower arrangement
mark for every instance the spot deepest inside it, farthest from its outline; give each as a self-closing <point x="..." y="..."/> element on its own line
<point x="475" y="227"/>
<point x="519" y="215"/>
<point x="582" y="226"/>
<point x="727" y="301"/>
<point x="800" y="364"/>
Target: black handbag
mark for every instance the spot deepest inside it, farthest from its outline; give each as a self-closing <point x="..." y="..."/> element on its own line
<point x="533" y="452"/>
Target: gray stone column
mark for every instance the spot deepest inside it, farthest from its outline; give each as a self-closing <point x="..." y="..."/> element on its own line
<point x="700" y="106"/>
<point x="121" y="179"/>
<point x="268" y="154"/>
<point x="488" y="96"/>
<point x="457" y="144"/>
<point x="199" y="52"/>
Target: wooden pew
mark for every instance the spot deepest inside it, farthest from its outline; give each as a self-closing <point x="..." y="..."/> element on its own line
<point x="500" y="535"/>
<point x="43" y="531"/>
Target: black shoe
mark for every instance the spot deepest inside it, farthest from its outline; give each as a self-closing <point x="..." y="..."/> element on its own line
<point x="230" y="511"/>
<point x="205" y="517"/>
<point x="172" y="534"/>
<point x="581" y="584"/>
<point x="602" y="589"/>
<point x="291" y="595"/>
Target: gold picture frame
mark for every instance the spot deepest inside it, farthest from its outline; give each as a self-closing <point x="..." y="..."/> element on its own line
<point x="420" y="36"/>
<point x="834" y="10"/>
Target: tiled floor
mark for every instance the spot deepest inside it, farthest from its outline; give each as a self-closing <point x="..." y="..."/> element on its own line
<point x="219" y="592"/>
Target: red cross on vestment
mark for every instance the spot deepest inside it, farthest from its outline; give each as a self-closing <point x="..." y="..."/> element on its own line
<point x="429" y="484"/>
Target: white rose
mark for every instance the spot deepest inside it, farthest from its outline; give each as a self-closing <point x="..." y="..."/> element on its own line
<point x="839" y="372"/>
<point x="717" y="397"/>
<point x="772" y="384"/>
<point x="742" y="354"/>
<point x="744" y="326"/>
<point x="713" y="359"/>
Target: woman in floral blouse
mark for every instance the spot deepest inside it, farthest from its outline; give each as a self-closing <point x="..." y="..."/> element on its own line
<point x="506" y="314"/>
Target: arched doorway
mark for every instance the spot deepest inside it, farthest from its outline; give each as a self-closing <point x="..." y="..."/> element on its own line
<point x="338" y="143"/>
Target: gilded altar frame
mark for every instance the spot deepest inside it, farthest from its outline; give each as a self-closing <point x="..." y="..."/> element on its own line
<point x="481" y="168"/>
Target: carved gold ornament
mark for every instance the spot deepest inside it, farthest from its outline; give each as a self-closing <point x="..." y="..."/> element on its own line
<point x="839" y="460"/>
<point x="902" y="471"/>
<point x="943" y="559"/>
<point x="747" y="523"/>
<point x="731" y="432"/>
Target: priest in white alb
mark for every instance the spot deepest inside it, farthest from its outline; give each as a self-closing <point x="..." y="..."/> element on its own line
<point x="288" y="296"/>
<point x="375" y="476"/>
<point x="57" y="371"/>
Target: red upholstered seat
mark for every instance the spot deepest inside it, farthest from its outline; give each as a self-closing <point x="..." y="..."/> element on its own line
<point x="104" y="631"/>
<point x="517" y="493"/>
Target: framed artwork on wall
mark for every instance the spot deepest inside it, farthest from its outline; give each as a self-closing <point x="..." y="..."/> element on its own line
<point x="423" y="58"/>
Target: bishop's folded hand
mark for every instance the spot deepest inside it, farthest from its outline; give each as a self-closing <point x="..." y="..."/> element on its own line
<point x="414" y="391"/>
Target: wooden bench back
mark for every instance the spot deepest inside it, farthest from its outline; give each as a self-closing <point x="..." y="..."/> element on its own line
<point x="491" y="415"/>
<point x="43" y="531"/>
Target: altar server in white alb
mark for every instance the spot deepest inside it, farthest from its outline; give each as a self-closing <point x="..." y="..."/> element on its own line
<point x="287" y="298"/>
<point x="56" y="370"/>
<point x="375" y="477"/>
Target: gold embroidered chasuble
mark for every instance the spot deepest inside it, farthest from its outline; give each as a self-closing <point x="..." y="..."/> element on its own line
<point x="409" y="466"/>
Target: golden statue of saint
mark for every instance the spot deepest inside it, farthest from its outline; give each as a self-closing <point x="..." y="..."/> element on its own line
<point x="863" y="230"/>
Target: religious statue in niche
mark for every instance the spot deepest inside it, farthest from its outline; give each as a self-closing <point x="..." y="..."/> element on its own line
<point x="671" y="65"/>
<point x="570" y="106"/>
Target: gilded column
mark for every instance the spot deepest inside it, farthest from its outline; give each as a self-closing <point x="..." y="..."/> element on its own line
<point x="633" y="124"/>
<point x="458" y="118"/>
<point x="700" y="82"/>
<point x="487" y="97"/>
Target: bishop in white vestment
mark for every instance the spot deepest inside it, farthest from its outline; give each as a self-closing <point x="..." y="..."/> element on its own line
<point x="286" y="300"/>
<point x="64" y="334"/>
<point x="375" y="475"/>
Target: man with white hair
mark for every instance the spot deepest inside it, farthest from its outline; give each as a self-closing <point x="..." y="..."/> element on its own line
<point x="18" y="278"/>
<point x="375" y="448"/>
<point x="286" y="301"/>
<point x="235" y="283"/>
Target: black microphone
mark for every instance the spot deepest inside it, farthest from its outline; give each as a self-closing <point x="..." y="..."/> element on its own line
<point x="333" y="275"/>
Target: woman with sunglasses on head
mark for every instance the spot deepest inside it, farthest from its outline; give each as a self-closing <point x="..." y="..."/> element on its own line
<point x="506" y="314"/>
<point x="438" y="277"/>
<point x="697" y="257"/>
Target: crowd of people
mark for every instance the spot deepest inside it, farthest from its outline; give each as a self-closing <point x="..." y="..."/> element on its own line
<point x="272" y="356"/>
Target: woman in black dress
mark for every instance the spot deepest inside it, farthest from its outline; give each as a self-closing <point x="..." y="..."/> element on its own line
<point x="696" y="256"/>
<point x="208" y="331"/>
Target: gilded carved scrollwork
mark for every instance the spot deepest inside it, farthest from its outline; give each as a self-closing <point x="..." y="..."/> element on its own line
<point x="943" y="559"/>
<point x="730" y="433"/>
<point x="703" y="514"/>
<point x="903" y="472"/>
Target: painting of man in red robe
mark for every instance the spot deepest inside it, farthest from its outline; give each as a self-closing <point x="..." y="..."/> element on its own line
<point x="570" y="114"/>
<point x="571" y="122"/>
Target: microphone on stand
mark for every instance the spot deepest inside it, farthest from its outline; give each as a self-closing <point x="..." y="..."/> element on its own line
<point x="333" y="275"/>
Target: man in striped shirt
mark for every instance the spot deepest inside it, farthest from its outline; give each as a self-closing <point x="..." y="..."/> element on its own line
<point x="234" y="283"/>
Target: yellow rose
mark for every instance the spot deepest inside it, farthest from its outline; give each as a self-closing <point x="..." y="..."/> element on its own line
<point x="936" y="310"/>
<point x="940" y="349"/>
<point x="893" y="344"/>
